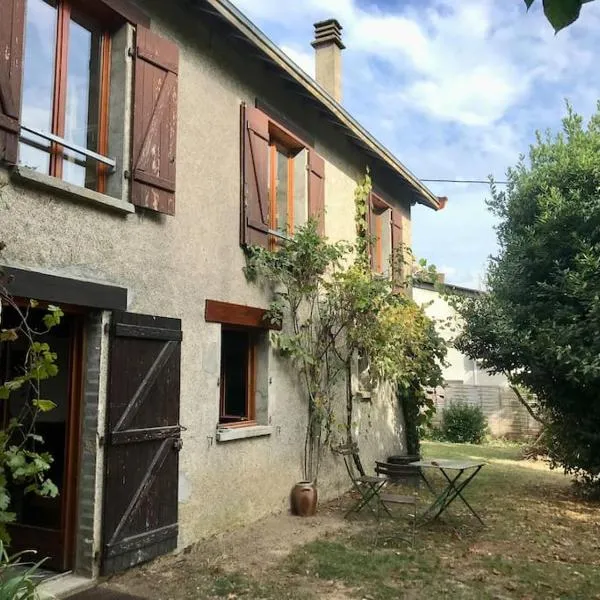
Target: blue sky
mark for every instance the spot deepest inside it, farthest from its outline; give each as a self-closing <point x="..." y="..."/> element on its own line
<point x="456" y="89"/>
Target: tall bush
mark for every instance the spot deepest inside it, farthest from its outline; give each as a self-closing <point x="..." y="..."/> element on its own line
<point x="540" y="322"/>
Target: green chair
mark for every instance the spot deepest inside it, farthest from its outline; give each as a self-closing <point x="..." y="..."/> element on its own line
<point x="368" y="487"/>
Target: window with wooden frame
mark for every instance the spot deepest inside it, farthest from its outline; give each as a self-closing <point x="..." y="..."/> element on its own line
<point x="288" y="201"/>
<point x="283" y="181"/>
<point x="64" y="65"/>
<point x="381" y="237"/>
<point x="238" y="376"/>
<point x="385" y="230"/>
<point x="65" y="92"/>
<point x="243" y="384"/>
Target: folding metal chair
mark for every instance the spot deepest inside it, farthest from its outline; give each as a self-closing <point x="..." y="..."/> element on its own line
<point x="399" y="478"/>
<point x="368" y="487"/>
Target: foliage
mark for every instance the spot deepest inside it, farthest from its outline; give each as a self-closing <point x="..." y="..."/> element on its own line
<point x="21" y="461"/>
<point x="561" y="13"/>
<point x="331" y="307"/>
<point x="18" y="580"/>
<point x="540" y="322"/>
<point x="462" y="423"/>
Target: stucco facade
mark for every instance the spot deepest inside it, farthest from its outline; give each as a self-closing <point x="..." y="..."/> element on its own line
<point x="171" y="264"/>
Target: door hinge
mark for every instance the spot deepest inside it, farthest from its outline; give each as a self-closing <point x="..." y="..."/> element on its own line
<point x="178" y="444"/>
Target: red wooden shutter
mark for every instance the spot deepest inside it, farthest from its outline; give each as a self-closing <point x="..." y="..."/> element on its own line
<point x="141" y="456"/>
<point x="255" y="177"/>
<point x="316" y="189"/>
<point x="154" y="122"/>
<point x="12" y="26"/>
<point x="397" y="247"/>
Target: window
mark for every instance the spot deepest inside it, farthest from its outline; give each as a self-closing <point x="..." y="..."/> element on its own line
<point x="238" y="375"/>
<point x="288" y="203"/>
<point x="66" y="68"/>
<point x="381" y="227"/>
<point x="283" y="181"/>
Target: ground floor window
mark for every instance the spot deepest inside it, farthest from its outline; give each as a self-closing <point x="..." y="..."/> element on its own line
<point x="238" y="375"/>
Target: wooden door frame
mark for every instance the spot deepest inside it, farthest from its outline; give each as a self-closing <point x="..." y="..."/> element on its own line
<point x="70" y="485"/>
<point x="73" y="434"/>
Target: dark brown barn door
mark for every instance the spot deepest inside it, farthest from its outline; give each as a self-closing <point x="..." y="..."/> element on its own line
<point x="143" y="440"/>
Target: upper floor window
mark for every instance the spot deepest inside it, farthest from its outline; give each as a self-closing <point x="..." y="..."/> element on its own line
<point x="288" y="202"/>
<point x="283" y="181"/>
<point x="385" y="230"/>
<point x="381" y="233"/>
<point x="66" y="70"/>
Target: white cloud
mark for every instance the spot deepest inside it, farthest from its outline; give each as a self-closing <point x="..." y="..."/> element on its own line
<point x="305" y="60"/>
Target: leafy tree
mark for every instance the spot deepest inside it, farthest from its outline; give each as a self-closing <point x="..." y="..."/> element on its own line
<point x="540" y="322"/>
<point x="561" y="13"/>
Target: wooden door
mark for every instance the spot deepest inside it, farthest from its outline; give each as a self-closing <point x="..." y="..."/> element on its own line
<point x="142" y="441"/>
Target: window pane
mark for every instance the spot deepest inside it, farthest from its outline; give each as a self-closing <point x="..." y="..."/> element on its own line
<point x="83" y="93"/>
<point x="234" y="374"/>
<point x="281" y="192"/>
<point x="38" y="82"/>
<point x="300" y="189"/>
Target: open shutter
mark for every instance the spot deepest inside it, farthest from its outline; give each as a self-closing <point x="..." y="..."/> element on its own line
<point x="154" y="122"/>
<point x="397" y="248"/>
<point x="316" y="189"/>
<point x="255" y="177"/>
<point x="142" y="440"/>
<point x="12" y="25"/>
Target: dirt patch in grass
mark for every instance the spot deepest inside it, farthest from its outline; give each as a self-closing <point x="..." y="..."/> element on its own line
<point x="538" y="542"/>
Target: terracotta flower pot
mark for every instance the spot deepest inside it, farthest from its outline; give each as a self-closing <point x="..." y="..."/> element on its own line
<point x="304" y="499"/>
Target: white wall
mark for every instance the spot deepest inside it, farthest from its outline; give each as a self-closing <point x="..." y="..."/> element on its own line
<point x="461" y="367"/>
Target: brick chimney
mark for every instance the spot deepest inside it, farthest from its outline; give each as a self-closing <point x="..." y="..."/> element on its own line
<point x="328" y="56"/>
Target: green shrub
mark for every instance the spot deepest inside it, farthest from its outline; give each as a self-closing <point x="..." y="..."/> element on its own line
<point x="462" y="423"/>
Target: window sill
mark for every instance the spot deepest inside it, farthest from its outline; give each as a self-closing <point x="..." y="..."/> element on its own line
<point x="70" y="191"/>
<point x="228" y="434"/>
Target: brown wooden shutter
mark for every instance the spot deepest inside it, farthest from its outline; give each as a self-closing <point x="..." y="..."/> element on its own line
<point x="141" y="456"/>
<point x="154" y="122"/>
<point x="316" y="189"/>
<point x="255" y="177"/>
<point x="12" y="26"/>
<point x="397" y="247"/>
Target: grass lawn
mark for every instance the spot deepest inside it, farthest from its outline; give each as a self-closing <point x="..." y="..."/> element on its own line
<point x="538" y="542"/>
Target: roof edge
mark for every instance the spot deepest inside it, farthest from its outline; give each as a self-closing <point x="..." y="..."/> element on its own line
<point x="234" y="16"/>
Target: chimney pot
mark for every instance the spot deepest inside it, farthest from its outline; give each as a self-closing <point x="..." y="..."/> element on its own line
<point x="328" y="56"/>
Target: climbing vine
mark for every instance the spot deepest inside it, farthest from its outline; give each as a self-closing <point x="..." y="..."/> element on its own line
<point x="331" y="306"/>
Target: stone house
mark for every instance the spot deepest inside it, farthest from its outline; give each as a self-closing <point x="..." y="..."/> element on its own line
<point x="143" y="145"/>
